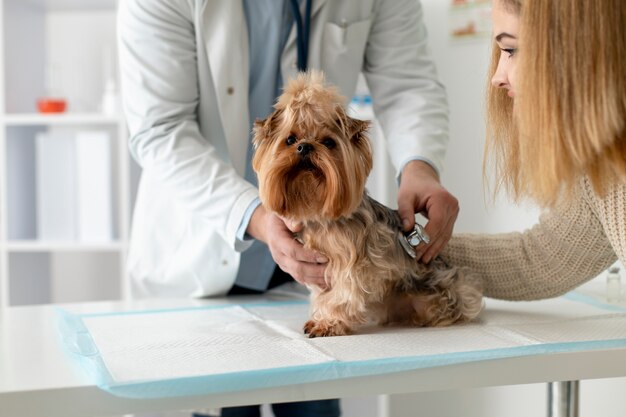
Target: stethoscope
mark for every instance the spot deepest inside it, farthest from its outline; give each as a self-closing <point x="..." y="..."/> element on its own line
<point x="410" y="240"/>
<point x="302" y="28"/>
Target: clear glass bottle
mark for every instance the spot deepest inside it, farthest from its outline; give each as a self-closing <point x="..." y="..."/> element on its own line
<point x="613" y="285"/>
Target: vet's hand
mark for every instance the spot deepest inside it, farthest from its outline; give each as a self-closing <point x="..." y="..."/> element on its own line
<point x="306" y="266"/>
<point x="421" y="191"/>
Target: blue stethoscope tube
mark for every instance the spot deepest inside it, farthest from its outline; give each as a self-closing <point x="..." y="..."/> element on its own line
<point x="303" y="28"/>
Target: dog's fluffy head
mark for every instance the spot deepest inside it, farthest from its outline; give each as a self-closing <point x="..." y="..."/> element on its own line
<point x="312" y="159"/>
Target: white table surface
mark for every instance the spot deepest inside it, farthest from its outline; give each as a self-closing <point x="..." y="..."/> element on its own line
<point x="37" y="378"/>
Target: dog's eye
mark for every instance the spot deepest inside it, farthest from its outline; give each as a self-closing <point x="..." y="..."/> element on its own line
<point x="329" y="143"/>
<point x="291" y="140"/>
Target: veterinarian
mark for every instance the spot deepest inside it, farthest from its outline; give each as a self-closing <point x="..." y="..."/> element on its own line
<point x="196" y="74"/>
<point x="557" y="135"/>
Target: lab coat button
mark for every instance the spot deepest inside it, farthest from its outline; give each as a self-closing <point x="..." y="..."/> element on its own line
<point x="230" y="91"/>
<point x="224" y="262"/>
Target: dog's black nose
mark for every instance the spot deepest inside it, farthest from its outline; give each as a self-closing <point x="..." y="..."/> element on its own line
<point x="304" y="149"/>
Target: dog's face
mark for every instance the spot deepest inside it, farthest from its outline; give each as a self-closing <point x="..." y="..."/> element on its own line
<point x="311" y="158"/>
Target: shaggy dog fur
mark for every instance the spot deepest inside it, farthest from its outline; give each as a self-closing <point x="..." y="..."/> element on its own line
<point x="312" y="161"/>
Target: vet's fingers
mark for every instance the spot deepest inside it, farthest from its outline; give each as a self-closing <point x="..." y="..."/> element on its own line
<point x="436" y="246"/>
<point x="420" y="250"/>
<point x="442" y="215"/>
<point x="406" y="210"/>
<point x="285" y="243"/>
<point x="306" y="273"/>
<point x="305" y="265"/>
<point x="292" y="225"/>
<point x="439" y="225"/>
<point x="315" y="279"/>
<point x="300" y="253"/>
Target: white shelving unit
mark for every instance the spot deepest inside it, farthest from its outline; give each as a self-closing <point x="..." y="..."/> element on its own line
<point x="62" y="119"/>
<point x="74" y="38"/>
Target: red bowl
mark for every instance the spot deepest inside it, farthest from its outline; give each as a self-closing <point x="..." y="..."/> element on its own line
<point x="51" y="105"/>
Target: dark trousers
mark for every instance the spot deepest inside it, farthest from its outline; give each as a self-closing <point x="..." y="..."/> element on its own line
<point x="278" y="277"/>
<point x="319" y="408"/>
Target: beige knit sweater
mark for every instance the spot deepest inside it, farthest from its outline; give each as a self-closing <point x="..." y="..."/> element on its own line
<point x="571" y="244"/>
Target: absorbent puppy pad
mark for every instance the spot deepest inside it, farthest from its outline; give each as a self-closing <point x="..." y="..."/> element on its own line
<point x="213" y="349"/>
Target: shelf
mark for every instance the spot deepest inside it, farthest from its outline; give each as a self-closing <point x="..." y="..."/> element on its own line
<point x="42" y="42"/>
<point x="72" y="5"/>
<point x="51" y="246"/>
<point x="66" y="119"/>
<point x="477" y="4"/>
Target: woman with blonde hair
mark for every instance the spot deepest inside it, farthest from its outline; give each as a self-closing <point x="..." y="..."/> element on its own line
<point x="556" y="134"/>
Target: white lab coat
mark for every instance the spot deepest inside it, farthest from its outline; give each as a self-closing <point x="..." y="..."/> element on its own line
<point x="184" y="68"/>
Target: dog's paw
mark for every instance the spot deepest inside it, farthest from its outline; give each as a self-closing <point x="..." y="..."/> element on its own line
<point x="325" y="328"/>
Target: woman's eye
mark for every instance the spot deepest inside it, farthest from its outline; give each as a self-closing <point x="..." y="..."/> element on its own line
<point x="329" y="143"/>
<point x="291" y="140"/>
<point x="510" y="51"/>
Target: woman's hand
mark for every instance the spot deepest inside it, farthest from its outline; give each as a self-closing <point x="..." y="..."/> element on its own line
<point x="306" y="266"/>
<point x="420" y="191"/>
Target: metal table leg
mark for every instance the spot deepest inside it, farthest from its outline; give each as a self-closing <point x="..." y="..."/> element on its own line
<point x="563" y="399"/>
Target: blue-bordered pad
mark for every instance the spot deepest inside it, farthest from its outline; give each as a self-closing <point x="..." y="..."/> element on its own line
<point x="202" y="350"/>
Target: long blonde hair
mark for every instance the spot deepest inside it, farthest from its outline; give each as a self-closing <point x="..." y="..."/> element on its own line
<point x="568" y="118"/>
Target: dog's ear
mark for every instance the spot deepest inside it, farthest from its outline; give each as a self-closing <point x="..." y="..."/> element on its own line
<point x="263" y="129"/>
<point x="358" y="138"/>
<point x="358" y="129"/>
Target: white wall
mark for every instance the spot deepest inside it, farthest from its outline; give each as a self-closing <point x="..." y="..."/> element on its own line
<point x="83" y="82"/>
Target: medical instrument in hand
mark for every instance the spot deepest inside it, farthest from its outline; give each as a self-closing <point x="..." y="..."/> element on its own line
<point x="411" y="240"/>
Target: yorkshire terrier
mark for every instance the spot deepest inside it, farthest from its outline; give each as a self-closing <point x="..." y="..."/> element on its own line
<point x="312" y="161"/>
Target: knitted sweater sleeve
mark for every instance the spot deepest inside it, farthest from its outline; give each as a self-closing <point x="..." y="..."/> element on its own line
<point x="567" y="247"/>
<point x="611" y="212"/>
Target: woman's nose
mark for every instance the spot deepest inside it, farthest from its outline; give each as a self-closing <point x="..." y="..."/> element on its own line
<point x="500" y="79"/>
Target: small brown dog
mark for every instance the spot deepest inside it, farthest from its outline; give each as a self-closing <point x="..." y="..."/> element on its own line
<point x="312" y="161"/>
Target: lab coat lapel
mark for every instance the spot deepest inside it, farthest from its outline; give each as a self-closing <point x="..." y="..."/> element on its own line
<point x="226" y="41"/>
